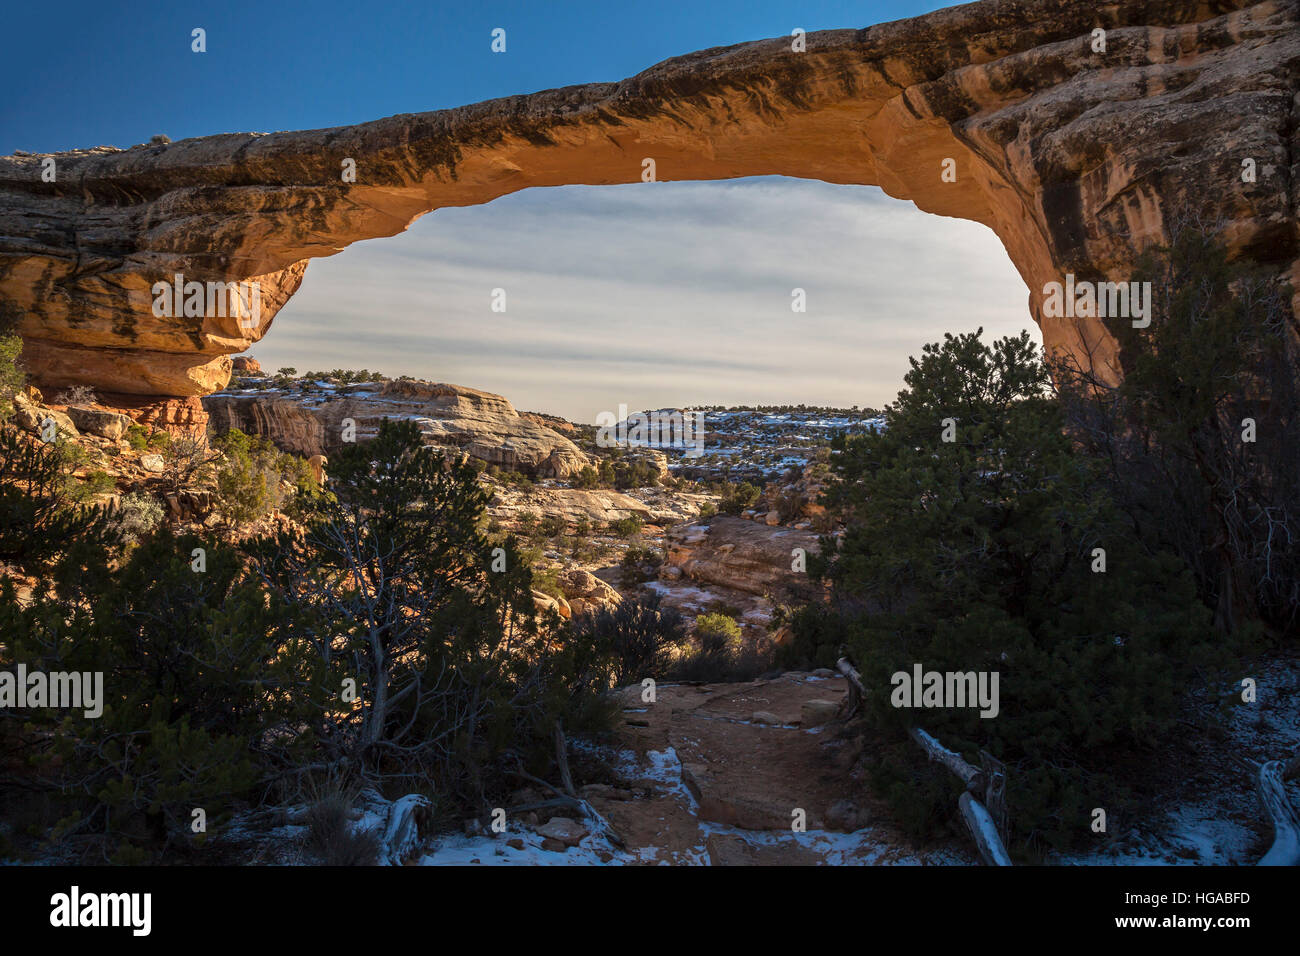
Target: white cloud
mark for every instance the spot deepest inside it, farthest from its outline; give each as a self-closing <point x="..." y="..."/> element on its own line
<point x="656" y="295"/>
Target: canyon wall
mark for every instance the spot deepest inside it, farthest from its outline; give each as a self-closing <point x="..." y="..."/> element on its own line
<point x="1075" y="156"/>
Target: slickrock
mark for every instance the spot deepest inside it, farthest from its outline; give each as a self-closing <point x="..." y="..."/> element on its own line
<point x="738" y="554"/>
<point x="1075" y="156"/>
<point x="479" y="424"/>
<point x="597" y="507"/>
<point x="719" y="788"/>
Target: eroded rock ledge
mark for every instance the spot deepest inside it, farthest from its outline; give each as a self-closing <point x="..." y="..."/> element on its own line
<point x="1075" y="158"/>
<point x="476" y="423"/>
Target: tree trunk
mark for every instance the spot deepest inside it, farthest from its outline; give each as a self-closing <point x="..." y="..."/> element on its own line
<point x="1285" y="850"/>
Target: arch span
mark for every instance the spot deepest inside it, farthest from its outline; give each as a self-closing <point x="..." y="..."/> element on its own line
<point x="1074" y="156"/>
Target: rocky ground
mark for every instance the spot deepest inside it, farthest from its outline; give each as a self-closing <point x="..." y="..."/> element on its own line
<point x="749" y="773"/>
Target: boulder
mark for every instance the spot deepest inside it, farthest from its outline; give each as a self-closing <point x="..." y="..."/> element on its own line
<point x="846" y="816"/>
<point x="742" y="555"/>
<point x="565" y="831"/>
<point x="721" y="800"/>
<point x="98" y="421"/>
<point x="544" y="602"/>
<point x="32" y="418"/>
<point x="587" y="593"/>
<point x="814" y="713"/>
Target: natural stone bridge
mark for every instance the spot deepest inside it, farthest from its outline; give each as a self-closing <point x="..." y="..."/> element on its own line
<point x="1076" y="157"/>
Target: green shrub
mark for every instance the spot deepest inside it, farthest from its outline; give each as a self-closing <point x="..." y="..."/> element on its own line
<point x="718" y="652"/>
<point x="137" y="515"/>
<point x="12" y="379"/>
<point x="738" y="497"/>
<point x="716" y="630"/>
<point x="640" y="565"/>
<point x="249" y="477"/>
<point x="629" y="641"/>
<point x="41" y="512"/>
<point x="626" y="527"/>
<point x="547" y="580"/>
<point x="197" y="676"/>
<point x="95" y="484"/>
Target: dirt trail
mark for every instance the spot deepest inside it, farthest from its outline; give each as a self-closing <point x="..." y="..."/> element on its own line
<point x="722" y="772"/>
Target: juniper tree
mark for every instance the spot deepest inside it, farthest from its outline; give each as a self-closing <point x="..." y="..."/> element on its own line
<point x="979" y="539"/>
<point x="412" y="608"/>
<point x="41" y="519"/>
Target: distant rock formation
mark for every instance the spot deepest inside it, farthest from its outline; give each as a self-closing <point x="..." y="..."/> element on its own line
<point x="738" y="554"/>
<point x="479" y="424"/>
<point x="1076" y="151"/>
<point x="596" y="507"/>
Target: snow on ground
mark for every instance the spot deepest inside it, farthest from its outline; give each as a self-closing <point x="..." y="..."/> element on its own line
<point x="861" y="848"/>
<point x="1223" y="824"/>
<point x="1219" y="824"/>
<point x="691" y="597"/>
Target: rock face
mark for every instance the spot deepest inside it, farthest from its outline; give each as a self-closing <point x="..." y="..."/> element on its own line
<point x="738" y="554"/>
<point x="595" y="507"/>
<point x="480" y="424"/>
<point x="1075" y="156"/>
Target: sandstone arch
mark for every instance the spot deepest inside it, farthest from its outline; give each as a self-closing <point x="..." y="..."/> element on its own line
<point x="1073" y="157"/>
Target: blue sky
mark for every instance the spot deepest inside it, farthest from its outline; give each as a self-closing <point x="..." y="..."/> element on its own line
<point x="616" y="294"/>
<point x="84" y="73"/>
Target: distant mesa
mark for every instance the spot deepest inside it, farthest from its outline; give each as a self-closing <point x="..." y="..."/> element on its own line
<point x="308" y="420"/>
<point x="1075" y="157"/>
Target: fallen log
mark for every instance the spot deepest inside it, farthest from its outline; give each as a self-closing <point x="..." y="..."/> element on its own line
<point x="562" y="758"/>
<point x="972" y="777"/>
<point x="991" y="785"/>
<point x="599" y="825"/>
<point x="1285" y="850"/>
<point x="979" y="821"/>
<point x="404" y="829"/>
<point x="856" y="691"/>
<point x="851" y="675"/>
<point x="984" y="831"/>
